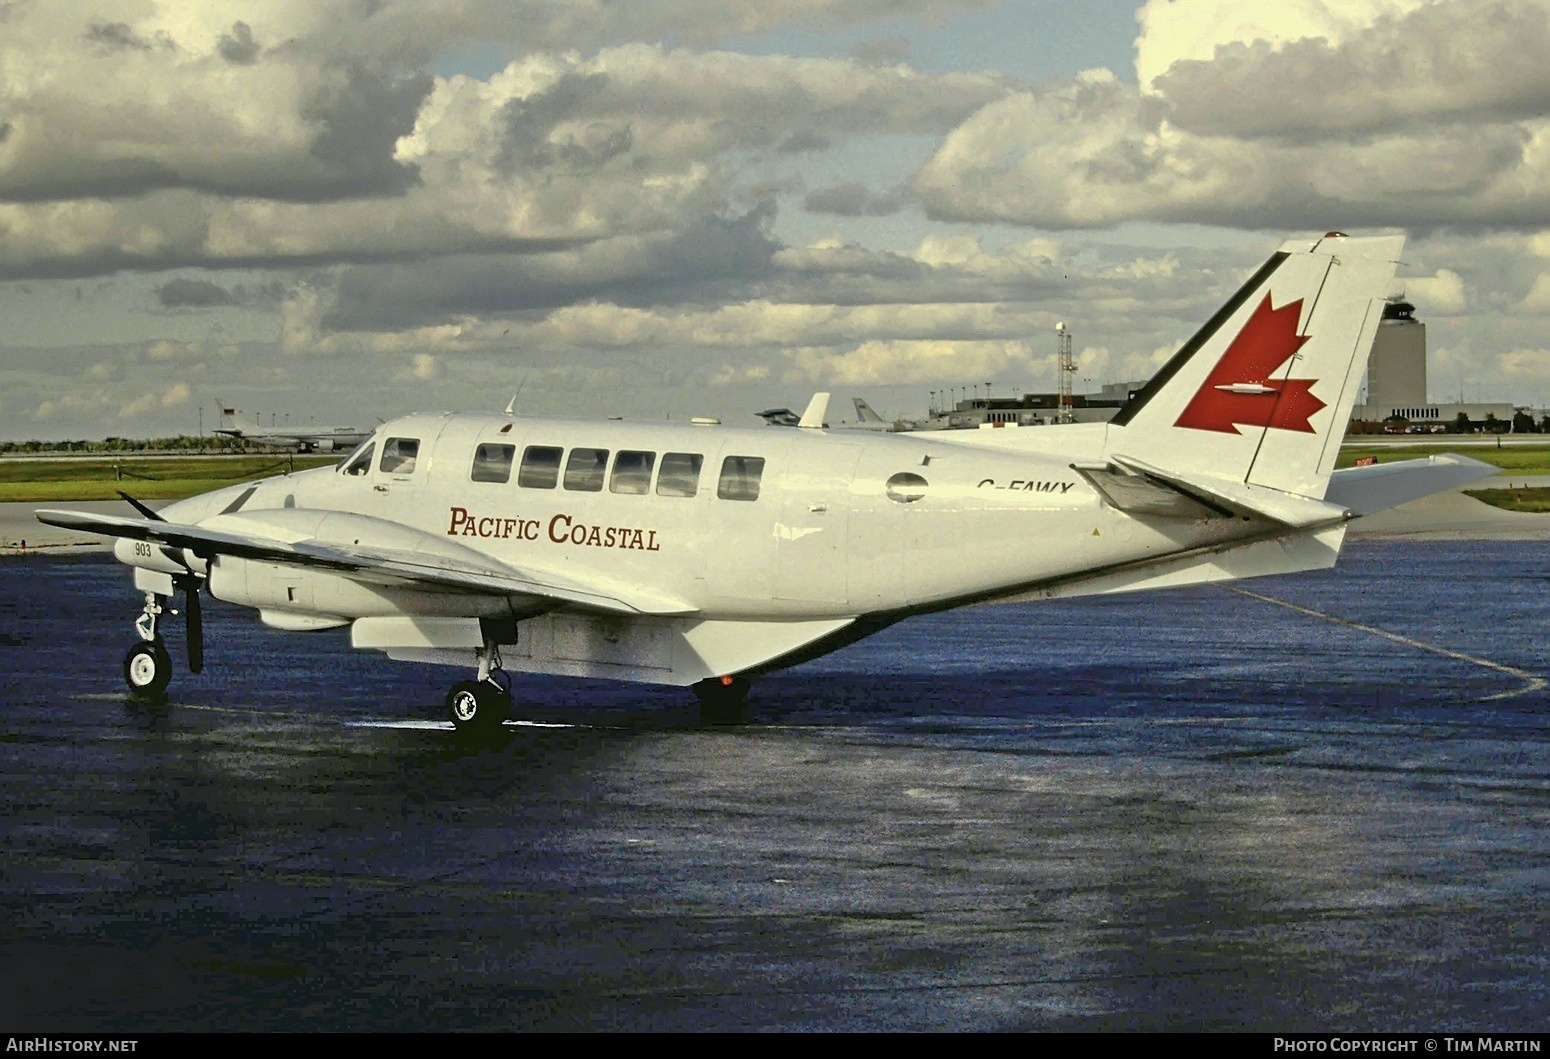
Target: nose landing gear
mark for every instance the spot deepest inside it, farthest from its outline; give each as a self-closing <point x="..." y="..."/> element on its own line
<point x="147" y="666"/>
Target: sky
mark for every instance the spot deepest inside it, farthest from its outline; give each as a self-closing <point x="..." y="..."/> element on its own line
<point x="329" y="212"/>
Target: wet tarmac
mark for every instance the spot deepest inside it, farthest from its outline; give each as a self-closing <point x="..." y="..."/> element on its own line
<point x="1324" y="806"/>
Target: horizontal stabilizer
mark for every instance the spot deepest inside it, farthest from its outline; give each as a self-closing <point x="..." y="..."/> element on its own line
<point x="1138" y="494"/>
<point x="1144" y="488"/>
<point x="1368" y="490"/>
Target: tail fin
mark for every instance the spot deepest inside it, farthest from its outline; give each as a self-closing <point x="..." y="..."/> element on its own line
<point x="864" y="413"/>
<point x="1261" y="395"/>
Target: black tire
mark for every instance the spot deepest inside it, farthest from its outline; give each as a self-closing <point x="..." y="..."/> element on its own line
<point x="148" y="669"/>
<point x="477" y="706"/>
<point x="723" y="701"/>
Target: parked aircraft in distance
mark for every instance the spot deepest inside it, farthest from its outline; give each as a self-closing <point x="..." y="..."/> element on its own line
<point x="326" y="439"/>
<point x="706" y="555"/>
<point x="866" y="419"/>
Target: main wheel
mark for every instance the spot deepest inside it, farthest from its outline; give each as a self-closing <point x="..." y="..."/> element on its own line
<point x="477" y="706"/>
<point x="723" y="700"/>
<point x="148" y="668"/>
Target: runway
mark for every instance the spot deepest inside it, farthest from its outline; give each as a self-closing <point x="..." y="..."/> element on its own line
<point x="1324" y="806"/>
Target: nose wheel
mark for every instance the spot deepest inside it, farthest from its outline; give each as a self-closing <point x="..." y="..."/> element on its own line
<point x="148" y="668"/>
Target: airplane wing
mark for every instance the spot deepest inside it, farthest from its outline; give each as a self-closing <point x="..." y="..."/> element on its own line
<point x="438" y="567"/>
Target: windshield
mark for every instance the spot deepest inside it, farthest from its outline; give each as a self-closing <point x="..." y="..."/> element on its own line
<point x="359" y="461"/>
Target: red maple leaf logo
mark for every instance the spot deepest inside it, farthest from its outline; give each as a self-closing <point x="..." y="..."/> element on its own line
<point x="1240" y="388"/>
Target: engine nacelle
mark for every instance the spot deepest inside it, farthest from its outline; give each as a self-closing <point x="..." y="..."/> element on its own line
<point x="148" y="555"/>
<point x="302" y="598"/>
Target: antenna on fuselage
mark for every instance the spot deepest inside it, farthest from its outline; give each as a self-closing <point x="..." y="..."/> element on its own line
<point x="511" y="406"/>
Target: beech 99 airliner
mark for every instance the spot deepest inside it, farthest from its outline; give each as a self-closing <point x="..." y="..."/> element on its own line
<point x="706" y="555"/>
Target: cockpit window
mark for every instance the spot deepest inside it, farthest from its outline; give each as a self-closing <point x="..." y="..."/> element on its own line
<point x="740" y="477"/>
<point x="584" y="469"/>
<point x="359" y="462"/>
<point x="398" y="455"/>
<point x="632" y="473"/>
<point x="492" y="463"/>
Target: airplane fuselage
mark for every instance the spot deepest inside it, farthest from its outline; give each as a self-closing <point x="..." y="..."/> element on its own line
<point x="736" y="523"/>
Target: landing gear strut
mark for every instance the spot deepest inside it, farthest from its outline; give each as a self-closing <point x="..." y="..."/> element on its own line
<point x="147" y="666"/>
<point x="481" y="705"/>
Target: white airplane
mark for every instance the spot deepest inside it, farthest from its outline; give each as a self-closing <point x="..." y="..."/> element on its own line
<point x="326" y="439"/>
<point x="705" y="555"/>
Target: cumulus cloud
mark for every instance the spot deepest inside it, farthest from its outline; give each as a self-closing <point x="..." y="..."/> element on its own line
<point x="1436" y="64"/>
<point x="121" y="109"/>
<point x="887" y="363"/>
<point x="1175" y="31"/>
<point x="1442" y="293"/>
<point x="296" y="159"/>
<point x="854" y="199"/>
<point x="1307" y="115"/>
<point x="714" y="259"/>
<point x="198" y="293"/>
<point x="318" y="183"/>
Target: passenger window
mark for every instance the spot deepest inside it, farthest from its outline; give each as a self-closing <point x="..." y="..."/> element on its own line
<point x="905" y="487"/>
<point x="584" y="470"/>
<point x="398" y="455"/>
<point x="680" y="474"/>
<point x="540" y="467"/>
<point x="740" y="477"/>
<point x="632" y="473"/>
<point x="360" y="463"/>
<point x="492" y="463"/>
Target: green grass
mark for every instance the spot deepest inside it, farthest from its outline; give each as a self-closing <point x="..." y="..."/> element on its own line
<point x="1514" y="460"/>
<point x="100" y="478"/>
<point x="1535" y="499"/>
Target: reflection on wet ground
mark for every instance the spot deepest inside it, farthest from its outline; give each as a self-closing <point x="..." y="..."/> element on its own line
<point x="1190" y="810"/>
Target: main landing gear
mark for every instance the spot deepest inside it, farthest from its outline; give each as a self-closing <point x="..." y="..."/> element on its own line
<point x="481" y="705"/>
<point x="723" y="700"/>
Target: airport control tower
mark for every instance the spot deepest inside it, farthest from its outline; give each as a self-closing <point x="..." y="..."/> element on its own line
<point x="1396" y="371"/>
<point x="1396" y="379"/>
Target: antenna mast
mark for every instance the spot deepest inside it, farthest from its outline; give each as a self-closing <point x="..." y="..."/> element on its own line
<point x="1065" y="411"/>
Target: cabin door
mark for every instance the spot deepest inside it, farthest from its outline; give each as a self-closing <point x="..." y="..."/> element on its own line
<point x="814" y="527"/>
